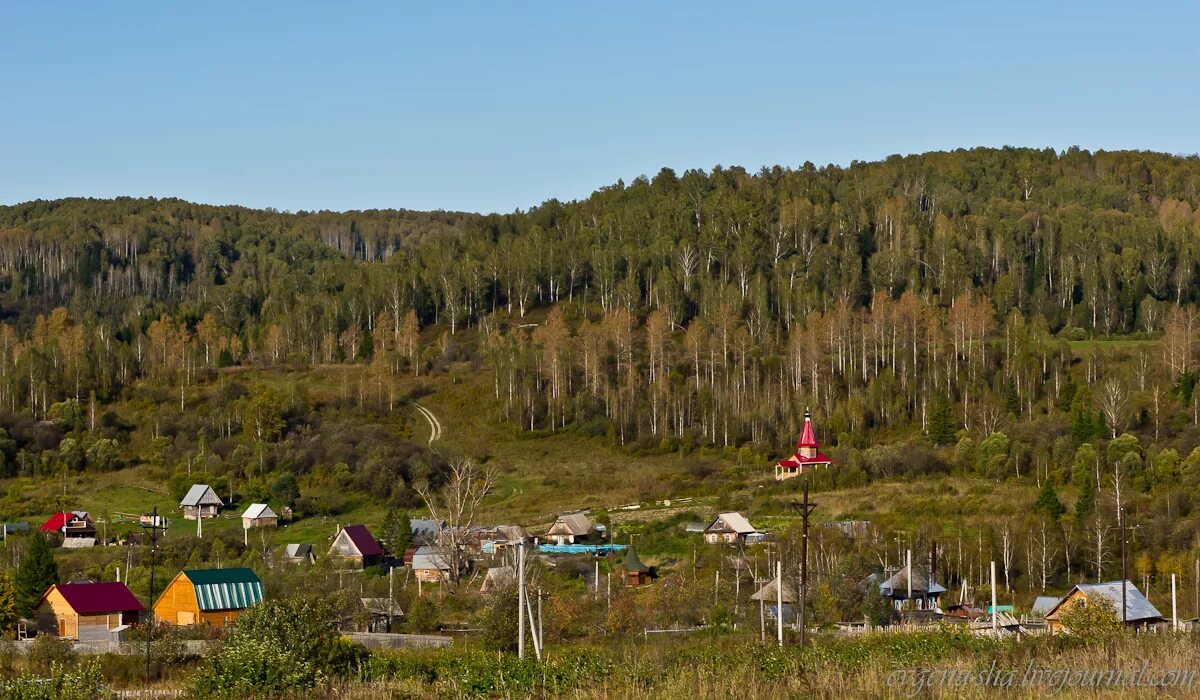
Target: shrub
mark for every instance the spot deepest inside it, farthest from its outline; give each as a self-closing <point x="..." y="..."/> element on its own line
<point x="1093" y="620"/>
<point x="49" y="652"/>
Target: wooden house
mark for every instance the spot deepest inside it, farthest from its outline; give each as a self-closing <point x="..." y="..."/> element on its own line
<point x="1139" y="612"/>
<point x="201" y="502"/>
<point x="299" y="554"/>
<point x="768" y="598"/>
<point x="729" y="528"/>
<point x="431" y="564"/>
<point x="76" y="524"/>
<point x="86" y="611"/>
<point x="356" y="546"/>
<point x="808" y="454"/>
<point x="208" y="596"/>
<point x="633" y="570"/>
<point x="924" y="593"/>
<point x="574" y="528"/>
<point x="259" y="515"/>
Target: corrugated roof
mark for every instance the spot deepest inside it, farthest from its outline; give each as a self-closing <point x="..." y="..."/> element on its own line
<point x="1044" y="604"/>
<point x="769" y="592"/>
<point x="259" y="510"/>
<point x="201" y="495"/>
<point x="422" y="527"/>
<point x="897" y="585"/>
<point x="225" y="589"/>
<point x="430" y="558"/>
<point x="298" y="550"/>
<point x="98" y="598"/>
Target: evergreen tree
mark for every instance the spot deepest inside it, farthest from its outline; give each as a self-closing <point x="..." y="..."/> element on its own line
<point x="1086" y="501"/>
<point x="942" y="424"/>
<point x="397" y="532"/>
<point x="8" y="605"/>
<point x="1047" y="502"/>
<point x="37" y="572"/>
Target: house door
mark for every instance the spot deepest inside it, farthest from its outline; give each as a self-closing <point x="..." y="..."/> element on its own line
<point x="62" y="627"/>
<point x="185" y="617"/>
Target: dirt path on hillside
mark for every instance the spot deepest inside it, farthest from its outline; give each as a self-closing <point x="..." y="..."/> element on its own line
<point x="435" y="426"/>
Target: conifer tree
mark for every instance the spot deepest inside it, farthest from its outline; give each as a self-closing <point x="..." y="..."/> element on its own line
<point x="942" y="424"/>
<point x="1047" y="502"/>
<point x="37" y="572"/>
<point x="1086" y="501"/>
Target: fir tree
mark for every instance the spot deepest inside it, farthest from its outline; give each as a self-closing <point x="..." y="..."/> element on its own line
<point x="397" y="532"/>
<point x="942" y="424"/>
<point x="8" y="605"/>
<point x="1086" y="501"/>
<point x="1047" y="502"/>
<point x="37" y="572"/>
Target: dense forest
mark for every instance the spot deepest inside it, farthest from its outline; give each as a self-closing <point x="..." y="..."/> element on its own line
<point x="708" y="307"/>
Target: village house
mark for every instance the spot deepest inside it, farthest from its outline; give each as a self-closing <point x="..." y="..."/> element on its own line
<point x="299" y="554"/>
<point x="259" y="515"/>
<point x="201" y="502"/>
<point x="355" y="545"/>
<point x="923" y="593"/>
<point x="768" y="598"/>
<point x="426" y="530"/>
<point x="497" y="578"/>
<point x="730" y="528"/>
<point x="808" y="456"/>
<point x="208" y="596"/>
<point x="86" y="611"/>
<point x="575" y="528"/>
<point x="431" y="564"/>
<point x="71" y="524"/>
<point x="1139" y="612"/>
<point x="633" y="570"/>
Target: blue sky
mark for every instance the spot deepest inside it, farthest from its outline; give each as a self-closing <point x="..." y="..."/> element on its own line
<point x="499" y="106"/>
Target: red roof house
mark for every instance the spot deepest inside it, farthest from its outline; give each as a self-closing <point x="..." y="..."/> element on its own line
<point x="806" y="458"/>
<point x="355" y="544"/>
<point x="70" y="524"/>
<point x="86" y="611"/>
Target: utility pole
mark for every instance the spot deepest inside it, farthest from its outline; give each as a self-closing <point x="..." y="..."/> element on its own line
<point x="1174" y="608"/>
<point x="521" y="600"/>
<point x="806" y="510"/>
<point x="779" y="602"/>
<point x="153" y="527"/>
<point x="995" y="631"/>
<point x="1124" y="575"/>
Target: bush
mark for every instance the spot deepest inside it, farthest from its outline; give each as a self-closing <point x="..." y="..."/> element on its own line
<point x="49" y="652"/>
<point x="61" y="684"/>
<point x="1093" y="620"/>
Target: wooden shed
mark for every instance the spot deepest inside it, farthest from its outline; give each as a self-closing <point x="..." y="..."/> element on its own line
<point x="208" y="596"/>
<point x="86" y="611"/>
<point x="201" y="502"/>
<point x="259" y="515"/>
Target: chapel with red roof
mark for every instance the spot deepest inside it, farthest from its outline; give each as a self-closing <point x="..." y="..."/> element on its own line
<point x="807" y="457"/>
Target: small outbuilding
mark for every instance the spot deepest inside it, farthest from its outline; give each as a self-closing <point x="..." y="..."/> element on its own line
<point x="259" y="515"/>
<point x="355" y="545"/>
<point x="768" y="598"/>
<point x="299" y="554"/>
<point x="431" y="564"/>
<point x="86" y="611"/>
<point x="498" y="578"/>
<point x="633" y="570"/>
<point x="208" y="596"/>
<point x="201" y="502"/>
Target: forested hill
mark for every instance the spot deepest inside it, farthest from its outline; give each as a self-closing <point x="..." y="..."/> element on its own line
<point x="707" y="306"/>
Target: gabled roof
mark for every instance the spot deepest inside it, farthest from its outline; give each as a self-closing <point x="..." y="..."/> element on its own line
<point x="430" y="558"/>
<point x="57" y="521"/>
<point x="897" y="585"/>
<point x="1137" y="608"/>
<point x="769" y="593"/>
<point x="425" y="527"/>
<point x="731" y="522"/>
<point x="97" y="598"/>
<point x="574" y="523"/>
<point x="362" y="540"/>
<point x="201" y="495"/>
<point x="259" y="510"/>
<point x="225" y="589"/>
<point x="296" y="551"/>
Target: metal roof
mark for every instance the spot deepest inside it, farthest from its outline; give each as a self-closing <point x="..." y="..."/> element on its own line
<point x="897" y="585"/>
<point x="97" y="598"/>
<point x="733" y="522"/>
<point x="575" y="523"/>
<point x="1044" y="604"/>
<point x="225" y="589"/>
<point x="1136" y="606"/>
<point x="259" y="510"/>
<point x="422" y="527"/>
<point x="201" y="495"/>
<point x="431" y="558"/>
